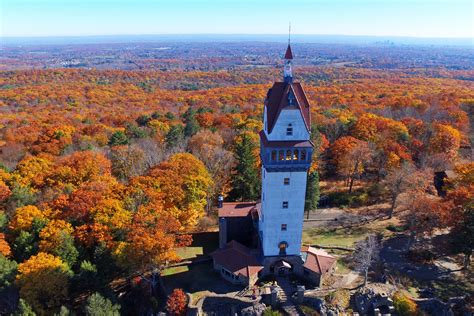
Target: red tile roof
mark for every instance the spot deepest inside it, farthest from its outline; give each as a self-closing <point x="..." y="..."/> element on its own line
<point x="236" y="209"/>
<point x="289" y="53"/>
<point x="286" y="144"/>
<point x="277" y="99"/>
<point x="237" y="259"/>
<point x="317" y="260"/>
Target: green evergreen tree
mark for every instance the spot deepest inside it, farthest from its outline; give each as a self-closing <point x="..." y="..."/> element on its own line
<point x="245" y="179"/>
<point x="24" y="246"/>
<point x="174" y="136"/>
<point x="64" y="311"/>
<point x="97" y="305"/>
<point x="24" y="309"/>
<point x="66" y="249"/>
<point x="7" y="271"/>
<point x="133" y="131"/>
<point x="21" y="196"/>
<point x="156" y="115"/>
<point x="170" y="116"/>
<point x="143" y="120"/>
<point x="118" y="138"/>
<point x="191" y="124"/>
<point x="3" y="221"/>
<point x="312" y="192"/>
<point x="87" y="278"/>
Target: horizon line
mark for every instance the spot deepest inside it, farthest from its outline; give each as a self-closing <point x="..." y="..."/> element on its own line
<point x="236" y="34"/>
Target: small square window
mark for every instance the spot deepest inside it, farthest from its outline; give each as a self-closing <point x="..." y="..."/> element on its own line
<point x="289" y="131"/>
<point x="283" y="227"/>
<point x="286" y="181"/>
<point x="285" y="204"/>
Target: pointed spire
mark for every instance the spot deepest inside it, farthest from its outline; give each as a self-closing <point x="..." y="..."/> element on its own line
<point x="287" y="72"/>
<point x="288" y="54"/>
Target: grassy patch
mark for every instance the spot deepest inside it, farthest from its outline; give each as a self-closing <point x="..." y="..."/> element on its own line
<point x="343" y="237"/>
<point x="174" y="270"/>
<point x="341" y="266"/>
<point x="189" y="252"/>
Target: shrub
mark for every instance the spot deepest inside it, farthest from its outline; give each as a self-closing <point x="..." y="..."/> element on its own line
<point x="339" y="299"/>
<point x="404" y="305"/>
<point x="271" y="312"/>
<point x="345" y="199"/>
<point x="176" y="303"/>
<point x="396" y="229"/>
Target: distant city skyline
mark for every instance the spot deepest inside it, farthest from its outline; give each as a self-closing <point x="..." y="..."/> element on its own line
<point x="408" y="18"/>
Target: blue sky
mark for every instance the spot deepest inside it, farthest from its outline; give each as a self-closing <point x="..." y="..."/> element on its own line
<point x="418" y="18"/>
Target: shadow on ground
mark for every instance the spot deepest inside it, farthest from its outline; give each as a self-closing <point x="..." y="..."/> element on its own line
<point x="200" y="277"/>
<point x="441" y="281"/>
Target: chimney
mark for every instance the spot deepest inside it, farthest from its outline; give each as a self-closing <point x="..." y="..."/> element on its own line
<point x="220" y="201"/>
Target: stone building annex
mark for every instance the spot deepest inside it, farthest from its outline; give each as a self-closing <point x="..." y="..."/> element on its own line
<point x="257" y="239"/>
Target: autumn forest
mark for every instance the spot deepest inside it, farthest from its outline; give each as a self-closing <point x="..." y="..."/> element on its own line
<point x="109" y="165"/>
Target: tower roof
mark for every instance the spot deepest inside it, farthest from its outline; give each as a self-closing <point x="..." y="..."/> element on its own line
<point x="289" y="53"/>
<point x="277" y="100"/>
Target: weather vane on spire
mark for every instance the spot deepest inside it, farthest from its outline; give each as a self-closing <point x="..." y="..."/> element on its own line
<point x="289" y="32"/>
<point x="287" y="72"/>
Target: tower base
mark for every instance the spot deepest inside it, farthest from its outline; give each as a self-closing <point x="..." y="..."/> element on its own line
<point x="282" y="265"/>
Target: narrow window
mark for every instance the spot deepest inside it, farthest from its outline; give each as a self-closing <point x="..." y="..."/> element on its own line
<point x="283" y="245"/>
<point x="286" y="181"/>
<point x="274" y="155"/>
<point x="283" y="227"/>
<point x="303" y="155"/>
<point x="289" y="130"/>
<point x="281" y="155"/>
<point x="285" y="204"/>
<point x="295" y="154"/>
<point x="288" y="155"/>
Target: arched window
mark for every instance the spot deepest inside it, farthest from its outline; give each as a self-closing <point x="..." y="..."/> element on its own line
<point x="303" y="155"/>
<point x="288" y="155"/>
<point x="289" y="130"/>
<point x="282" y="246"/>
<point x="281" y="155"/>
<point x="295" y="154"/>
<point x="274" y="155"/>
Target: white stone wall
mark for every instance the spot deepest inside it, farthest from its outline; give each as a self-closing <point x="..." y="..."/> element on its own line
<point x="288" y="116"/>
<point x="274" y="193"/>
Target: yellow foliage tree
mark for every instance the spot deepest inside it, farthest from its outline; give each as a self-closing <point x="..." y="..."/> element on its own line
<point x="24" y="217"/>
<point x="43" y="282"/>
<point x="111" y="213"/>
<point x="50" y="235"/>
<point x="32" y="170"/>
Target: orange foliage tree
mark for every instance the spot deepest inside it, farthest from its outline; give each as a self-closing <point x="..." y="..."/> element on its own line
<point x="176" y="303"/>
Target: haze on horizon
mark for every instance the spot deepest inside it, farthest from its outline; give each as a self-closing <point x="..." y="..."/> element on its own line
<point x="407" y="18"/>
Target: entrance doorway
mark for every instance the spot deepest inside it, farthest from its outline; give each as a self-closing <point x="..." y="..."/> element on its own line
<point x="282" y="268"/>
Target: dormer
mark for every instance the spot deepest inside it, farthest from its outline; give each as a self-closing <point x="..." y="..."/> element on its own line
<point x="286" y="114"/>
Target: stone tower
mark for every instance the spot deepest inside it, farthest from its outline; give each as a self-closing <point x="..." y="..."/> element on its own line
<point x="285" y="151"/>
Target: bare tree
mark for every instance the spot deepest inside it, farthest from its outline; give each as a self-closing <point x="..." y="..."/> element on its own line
<point x="156" y="152"/>
<point x="366" y="253"/>
<point x="207" y="146"/>
<point x="355" y="161"/>
<point x="405" y="179"/>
